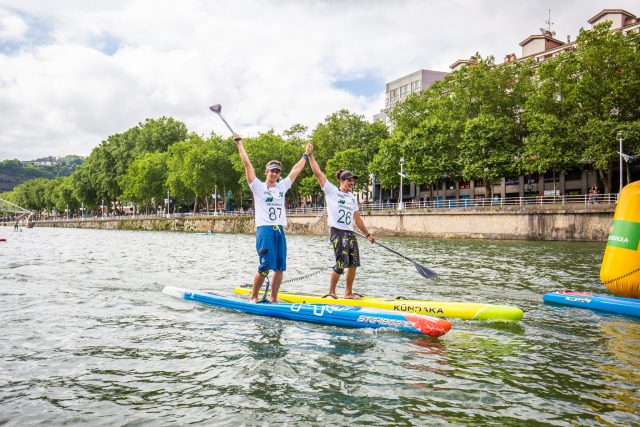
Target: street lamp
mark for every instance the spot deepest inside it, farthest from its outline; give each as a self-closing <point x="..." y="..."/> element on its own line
<point x="621" y="164"/>
<point x="215" y="202"/>
<point x="401" y="177"/>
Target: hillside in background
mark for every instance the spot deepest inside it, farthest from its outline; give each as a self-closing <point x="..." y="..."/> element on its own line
<point x="15" y="172"/>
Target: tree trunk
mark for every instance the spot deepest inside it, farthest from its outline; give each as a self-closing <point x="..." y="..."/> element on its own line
<point x="605" y="177"/>
<point x="488" y="189"/>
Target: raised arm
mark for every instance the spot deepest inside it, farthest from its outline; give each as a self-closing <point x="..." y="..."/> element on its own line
<point x="248" y="167"/>
<point x="315" y="167"/>
<point x="297" y="168"/>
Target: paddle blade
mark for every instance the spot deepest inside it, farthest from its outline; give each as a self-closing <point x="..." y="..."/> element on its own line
<point x="425" y="272"/>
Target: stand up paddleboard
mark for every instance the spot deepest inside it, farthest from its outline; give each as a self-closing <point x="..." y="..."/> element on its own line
<point x="460" y="310"/>
<point x="608" y="303"/>
<point x="350" y="317"/>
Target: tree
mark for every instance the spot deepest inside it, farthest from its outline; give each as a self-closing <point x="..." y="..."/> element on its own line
<point x="62" y="195"/>
<point x="431" y="152"/>
<point x="344" y="130"/>
<point x="386" y="162"/>
<point x="548" y="146"/>
<point x="157" y="135"/>
<point x="146" y="179"/>
<point x="489" y="149"/>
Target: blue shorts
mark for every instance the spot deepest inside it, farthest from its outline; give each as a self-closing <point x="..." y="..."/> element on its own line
<point x="271" y="246"/>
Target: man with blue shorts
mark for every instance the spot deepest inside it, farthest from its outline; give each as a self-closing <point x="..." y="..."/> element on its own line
<point x="271" y="218"/>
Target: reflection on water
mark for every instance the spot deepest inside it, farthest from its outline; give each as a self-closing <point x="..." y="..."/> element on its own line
<point x="89" y="339"/>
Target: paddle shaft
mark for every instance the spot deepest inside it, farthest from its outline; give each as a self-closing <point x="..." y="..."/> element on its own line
<point x="386" y="247"/>
<point x="424" y="271"/>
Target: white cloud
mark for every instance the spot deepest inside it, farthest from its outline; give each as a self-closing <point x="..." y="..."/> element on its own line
<point x="12" y="27"/>
<point x="104" y="66"/>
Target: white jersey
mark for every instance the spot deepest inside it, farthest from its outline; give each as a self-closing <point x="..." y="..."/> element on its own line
<point x="340" y="207"/>
<point x="269" y="202"/>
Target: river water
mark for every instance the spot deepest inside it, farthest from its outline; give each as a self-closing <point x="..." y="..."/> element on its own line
<point x="87" y="337"/>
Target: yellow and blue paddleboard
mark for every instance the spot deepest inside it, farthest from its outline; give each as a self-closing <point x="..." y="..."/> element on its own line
<point x="460" y="310"/>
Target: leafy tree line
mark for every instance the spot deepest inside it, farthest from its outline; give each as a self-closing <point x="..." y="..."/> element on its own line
<point x="482" y="122"/>
<point x="141" y="165"/>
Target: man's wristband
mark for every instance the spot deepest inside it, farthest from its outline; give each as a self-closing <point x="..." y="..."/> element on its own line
<point x="367" y="236"/>
<point x="304" y="156"/>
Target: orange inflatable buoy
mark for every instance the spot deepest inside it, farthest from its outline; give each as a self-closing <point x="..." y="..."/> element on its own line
<point x="620" y="270"/>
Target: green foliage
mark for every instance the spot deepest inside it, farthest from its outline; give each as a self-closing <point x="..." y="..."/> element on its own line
<point x="347" y="141"/>
<point x="344" y="130"/>
<point x="145" y="179"/>
<point x="430" y="152"/>
<point x="385" y="164"/>
<point x="308" y="186"/>
<point x="488" y="149"/>
<point x="548" y="146"/>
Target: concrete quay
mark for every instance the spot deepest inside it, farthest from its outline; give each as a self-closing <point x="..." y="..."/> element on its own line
<point x="589" y="223"/>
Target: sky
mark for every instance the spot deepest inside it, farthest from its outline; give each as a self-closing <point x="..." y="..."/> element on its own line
<point x="74" y="72"/>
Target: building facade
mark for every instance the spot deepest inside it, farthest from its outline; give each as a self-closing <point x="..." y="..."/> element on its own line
<point x="539" y="48"/>
<point x="399" y="89"/>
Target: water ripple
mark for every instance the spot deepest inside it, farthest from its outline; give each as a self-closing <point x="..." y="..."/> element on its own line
<point x="88" y="338"/>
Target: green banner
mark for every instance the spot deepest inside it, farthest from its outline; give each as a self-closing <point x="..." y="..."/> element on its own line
<point x="624" y="234"/>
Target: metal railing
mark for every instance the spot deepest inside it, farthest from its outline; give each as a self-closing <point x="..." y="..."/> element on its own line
<point x="585" y="199"/>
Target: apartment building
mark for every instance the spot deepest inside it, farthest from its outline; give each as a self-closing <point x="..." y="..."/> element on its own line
<point x="539" y="47"/>
<point x="544" y="46"/>
<point x="399" y="89"/>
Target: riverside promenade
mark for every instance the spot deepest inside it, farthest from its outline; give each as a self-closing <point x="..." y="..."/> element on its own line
<point x="535" y="219"/>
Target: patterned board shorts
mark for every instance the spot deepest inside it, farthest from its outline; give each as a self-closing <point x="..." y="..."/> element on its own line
<point x="345" y="248"/>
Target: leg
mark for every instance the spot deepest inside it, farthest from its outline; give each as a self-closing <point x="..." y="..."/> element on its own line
<point x="276" y="280"/>
<point x="281" y="262"/>
<point x="353" y="263"/>
<point x="258" y="280"/>
<point x="342" y="257"/>
<point x="266" y="253"/>
<point x="351" y="277"/>
<point x="333" y="282"/>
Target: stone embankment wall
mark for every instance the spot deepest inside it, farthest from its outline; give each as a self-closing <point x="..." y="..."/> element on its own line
<point x="530" y="222"/>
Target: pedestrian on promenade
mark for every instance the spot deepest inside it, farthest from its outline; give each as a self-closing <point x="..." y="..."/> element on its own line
<point x="342" y="210"/>
<point x="270" y="217"/>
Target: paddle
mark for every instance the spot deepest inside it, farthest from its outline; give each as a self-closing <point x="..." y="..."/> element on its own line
<point x="425" y="272"/>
